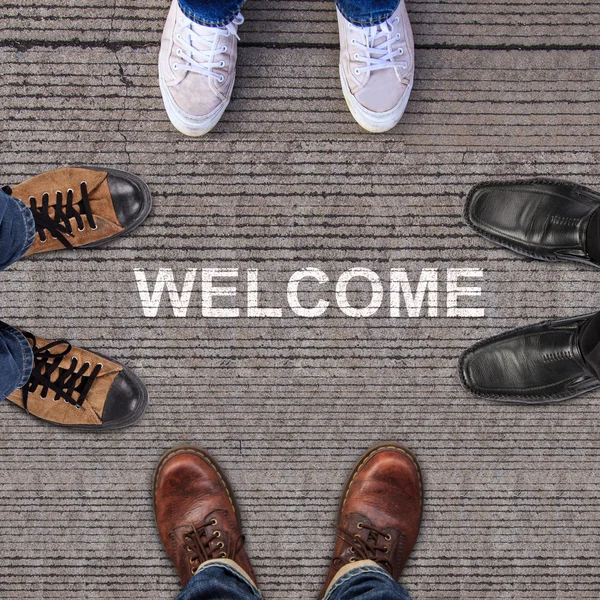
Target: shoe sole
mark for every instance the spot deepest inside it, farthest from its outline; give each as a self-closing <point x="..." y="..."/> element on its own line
<point x="185" y="127"/>
<point x="505" y="244"/>
<point x="193" y="449"/>
<point x="146" y="208"/>
<point x="373" y="124"/>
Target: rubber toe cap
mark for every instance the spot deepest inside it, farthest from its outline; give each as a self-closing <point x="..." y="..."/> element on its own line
<point x="130" y="199"/>
<point x="126" y="401"/>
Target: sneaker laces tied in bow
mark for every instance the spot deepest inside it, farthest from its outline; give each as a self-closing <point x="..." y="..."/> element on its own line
<point x="196" y="46"/>
<point x="67" y="383"/>
<point x="58" y="222"/>
<point x="368" y="548"/>
<point x="203" y="547"/>
<point x="378" y="51"/>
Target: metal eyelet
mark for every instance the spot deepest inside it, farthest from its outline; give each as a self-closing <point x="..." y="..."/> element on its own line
<point x="224" y="49"/>
<point x="356" y="72"/>
<point x="401" y="51"/>
<point x="388" y="537"/>
<point x="188" y="548"/>
<point x="174" y="66"/>
<point x="356" y="57"/>
<point x="194" y="571"/>
<point x="223" y="555"/>
<point x="221" y="79"/>
<point x="192" y="561"/>
<point x="222" y="64"/>
<point x="352" y="559"/>
<point x="217" y="534"/>
<point x="220" y="545"/>
<point x="359" y="525"/>
<point x="213" y="522"/>
<point x="80" y="228"/>
<point x="386" y="549"/>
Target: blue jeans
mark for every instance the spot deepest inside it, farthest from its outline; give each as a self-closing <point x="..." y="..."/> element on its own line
<point x="216" y="13"/>
<point x="219" y="581"/>
<point x="17" y="230"/>
<point x="16" y="360"/>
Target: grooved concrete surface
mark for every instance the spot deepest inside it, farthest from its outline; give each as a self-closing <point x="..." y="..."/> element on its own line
<point x="287" y="181"/>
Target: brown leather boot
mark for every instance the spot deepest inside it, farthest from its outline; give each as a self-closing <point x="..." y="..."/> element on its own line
<point x="196" y="514"/>
<point x="77" y="388"/>
<point x="380" y="511"/>
<point x="82" y="207"/>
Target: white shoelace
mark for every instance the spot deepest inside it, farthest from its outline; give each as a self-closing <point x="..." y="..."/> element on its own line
<point x="376" y="52"/>
<point x="196" y="46"/>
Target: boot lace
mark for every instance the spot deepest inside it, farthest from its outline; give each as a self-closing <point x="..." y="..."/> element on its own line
<point x="373" y="548"/>
<point x="378" y="51"/>
<point x="202" y="547"/>
<point x="46" y="361"/>
<point x="59" y="225"/>
<point x="196" y="46"/>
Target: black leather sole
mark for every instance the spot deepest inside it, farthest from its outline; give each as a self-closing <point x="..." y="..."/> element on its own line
<point x="506" y="244"/>
<point x="147" y="204"/>
<point x="516" y="399"/>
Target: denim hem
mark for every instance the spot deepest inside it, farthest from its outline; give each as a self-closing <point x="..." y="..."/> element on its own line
<point x="374" y="20"/>
<point x="26" y="351"/>
<point x="190" y="15"/>
<point x="355" y="573"/>
<point x="223" y="565"/>
<point x="29" y="223"/>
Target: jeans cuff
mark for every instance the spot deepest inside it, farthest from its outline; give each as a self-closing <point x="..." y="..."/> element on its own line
<point x="192" y="17"/>
<point x="232" y="567"/>
<point x="29" y="223"/>
<point x="26" y="358"/>
<point x="349" y="572"/>
<point x="374" y="19"/>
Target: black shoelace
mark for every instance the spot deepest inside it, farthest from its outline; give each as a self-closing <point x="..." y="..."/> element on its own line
<point x="46" y="361"/>
<point x="59" y="225"/>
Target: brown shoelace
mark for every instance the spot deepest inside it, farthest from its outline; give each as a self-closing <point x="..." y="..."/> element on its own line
<point x="203" y="547"/>
<point x="372" y="548"/>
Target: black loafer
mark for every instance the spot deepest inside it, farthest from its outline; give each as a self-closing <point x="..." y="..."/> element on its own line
<point x="535" y="364"/>
<point x="539" y="218"/>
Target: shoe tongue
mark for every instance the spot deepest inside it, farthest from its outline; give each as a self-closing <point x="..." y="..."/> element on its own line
<point x="589" y="344"/>
<point x="592" y="242"/>
<point x="205" y="32"/>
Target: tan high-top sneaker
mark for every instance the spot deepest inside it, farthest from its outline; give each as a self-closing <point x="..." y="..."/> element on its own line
<point x="82" y="207"/>
<point x="196" y="71"/>
<point x="77" y="388"/>
<point x="377" y="69"/>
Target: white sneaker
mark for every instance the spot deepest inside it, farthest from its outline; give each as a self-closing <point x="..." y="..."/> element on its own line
<point x="377" y="69"/>
<point x="196" y="70"/>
